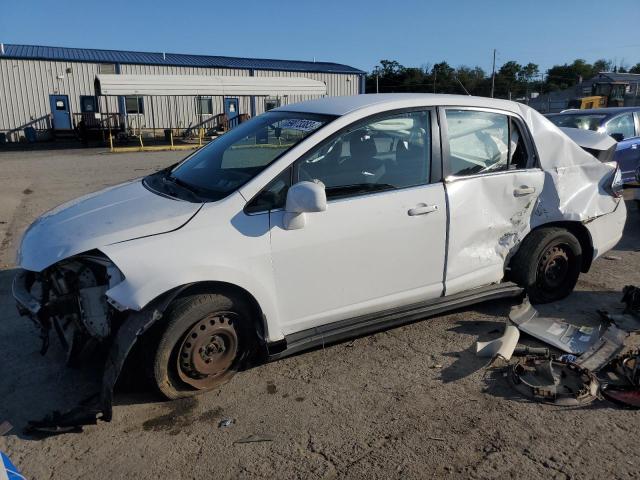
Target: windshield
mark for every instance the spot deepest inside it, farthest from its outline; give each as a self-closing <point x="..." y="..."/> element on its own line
<point x="233" y="159"/>
<point x="583" y="121"/>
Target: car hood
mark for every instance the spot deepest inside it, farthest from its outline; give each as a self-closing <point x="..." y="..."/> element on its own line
<point x="112" y="215"/>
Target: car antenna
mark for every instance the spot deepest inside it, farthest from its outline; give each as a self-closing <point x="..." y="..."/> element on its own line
<point x="458" y="80"/>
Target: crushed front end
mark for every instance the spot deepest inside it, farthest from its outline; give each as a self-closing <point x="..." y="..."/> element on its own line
<point x="69" y="298"/>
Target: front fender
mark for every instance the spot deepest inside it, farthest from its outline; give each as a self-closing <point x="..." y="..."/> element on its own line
<point x="236" y="253"/>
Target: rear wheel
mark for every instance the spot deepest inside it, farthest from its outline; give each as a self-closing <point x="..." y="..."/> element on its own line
<point x="205" y="342"/>
<point x="547" y="264"/>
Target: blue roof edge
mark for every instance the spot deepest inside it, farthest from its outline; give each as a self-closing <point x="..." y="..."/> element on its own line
<point x="91" y="55"/>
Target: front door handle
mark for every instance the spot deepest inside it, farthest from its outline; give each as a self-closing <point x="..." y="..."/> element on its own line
<point x="523" y="190"/>
<point x="635" y="146"/>
<point x="422" y="209"/>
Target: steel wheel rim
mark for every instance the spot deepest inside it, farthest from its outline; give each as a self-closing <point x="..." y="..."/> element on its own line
<point x="554" y="267"/>
<point x="208" y="351"/>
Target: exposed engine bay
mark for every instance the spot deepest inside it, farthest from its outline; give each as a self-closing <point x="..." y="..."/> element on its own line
<point x="69" y="297"/>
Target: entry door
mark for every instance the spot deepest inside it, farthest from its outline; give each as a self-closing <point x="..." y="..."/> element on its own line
<point x="60" y="111"/>
<point x="368" y="251"/>
<point x="231" y="108"/>
<point x="492" y="188"/>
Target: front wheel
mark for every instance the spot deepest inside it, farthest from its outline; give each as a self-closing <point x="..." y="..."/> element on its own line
<point x="205" y="342"/>
<point x="547" y="264"/>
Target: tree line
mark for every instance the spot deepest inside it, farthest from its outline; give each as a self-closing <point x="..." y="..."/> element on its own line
<point x="512" y="80"/>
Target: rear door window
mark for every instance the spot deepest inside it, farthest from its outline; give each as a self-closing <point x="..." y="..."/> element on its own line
<point x="484" y="142"/>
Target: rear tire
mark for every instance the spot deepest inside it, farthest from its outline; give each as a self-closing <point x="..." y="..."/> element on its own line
<point x="205" y="341"/>
<point x="547" y="264"/>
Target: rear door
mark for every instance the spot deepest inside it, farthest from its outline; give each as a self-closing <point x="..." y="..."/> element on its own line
<point x="381" y="242"/>
<point x="492" y="182"/>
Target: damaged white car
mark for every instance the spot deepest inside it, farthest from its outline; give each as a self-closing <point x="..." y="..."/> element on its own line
<point x="314" y="222"/>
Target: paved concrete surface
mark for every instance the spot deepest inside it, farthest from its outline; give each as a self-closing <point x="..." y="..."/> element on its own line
<point x="412" y="402"/>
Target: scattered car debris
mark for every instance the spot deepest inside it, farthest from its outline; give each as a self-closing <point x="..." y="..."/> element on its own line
<point x="603" y="350"/>
<point x="502" y="347"/>
<point x="623" y="395"/>
<point x="611" y="257"/>
<point x="227" y="422"/>
<point x="525" y="350"/>
<point x="562" y="335"/>
<point x="255" y="439"/>
<point x="5" y="427"/>
<point x="631" y="298"/>
<point x="553" y="381"/>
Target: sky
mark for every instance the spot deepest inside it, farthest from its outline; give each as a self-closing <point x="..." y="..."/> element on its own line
<point x="353" y="32"/>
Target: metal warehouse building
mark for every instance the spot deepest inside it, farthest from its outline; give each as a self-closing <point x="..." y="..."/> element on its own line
<point x="57" y="87"/>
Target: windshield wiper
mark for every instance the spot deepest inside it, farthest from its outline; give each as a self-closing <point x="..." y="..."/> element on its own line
<point x="360" y="188"/>
<point x="184" y="185"/>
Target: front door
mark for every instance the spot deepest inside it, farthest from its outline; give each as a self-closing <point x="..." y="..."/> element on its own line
<point x="60" y="112"/>
<point x="492" y="185"/>
<point x="231" y="108"/>
<point x="381" y="242"/>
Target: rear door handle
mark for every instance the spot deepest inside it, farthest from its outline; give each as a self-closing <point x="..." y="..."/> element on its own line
<point x="523" y="190"/>
<point x="422" y="209"/>
<point x="635" y="146"/>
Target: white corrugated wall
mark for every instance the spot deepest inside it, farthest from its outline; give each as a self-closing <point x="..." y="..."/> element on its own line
<point x="25" y="86"/>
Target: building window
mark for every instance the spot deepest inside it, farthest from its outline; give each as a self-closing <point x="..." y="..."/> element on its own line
<point x="107" y="68"/>
<point x="134" y="104"/>
<point x="271" y="103"/>
<point x="88" y="104"/>
<point x="205" y="106"/>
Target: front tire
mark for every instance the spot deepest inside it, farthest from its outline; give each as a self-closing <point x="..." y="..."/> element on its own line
<point x="206" y="340"/>
<point x="547" y="264"/>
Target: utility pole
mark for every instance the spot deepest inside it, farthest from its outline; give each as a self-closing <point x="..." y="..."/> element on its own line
<point x="435" y="75"/>
<point x="377" y="77"/>
<point x="493" y="73"/>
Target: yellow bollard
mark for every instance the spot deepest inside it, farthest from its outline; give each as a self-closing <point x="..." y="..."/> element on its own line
<point x="171" y="136"/>
<point x="141" y="144"/>
<point x="111" y="143"/>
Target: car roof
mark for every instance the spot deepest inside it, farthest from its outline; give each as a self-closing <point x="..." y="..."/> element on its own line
<point x="599" y="111"/>
<point x="389" y="101"/>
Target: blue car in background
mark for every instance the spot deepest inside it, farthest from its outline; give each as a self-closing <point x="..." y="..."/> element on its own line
<point x="622" y="123"/>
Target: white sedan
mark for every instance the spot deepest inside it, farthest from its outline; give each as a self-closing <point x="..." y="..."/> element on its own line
<point x="315" y="222"/>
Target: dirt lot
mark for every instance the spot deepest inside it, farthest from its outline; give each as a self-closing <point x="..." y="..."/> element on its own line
<point x="413" y="402"/>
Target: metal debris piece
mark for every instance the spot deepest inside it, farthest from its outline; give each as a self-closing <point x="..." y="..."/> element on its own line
<point x="500" y="347"/>
<point x="567" y="357"/>
<point x="227" y="422"/>
<point x="525" y="350"/>
<point x="631" y="298"/>
<point x="552" y="381"/>
<point x="624" y="395"/>
<point x="255" y="439"/>
<point x="562" y="335"/>
<point x="603" y="350"/>
<point x="5" y="427"/>
<point x="611" y="257"/>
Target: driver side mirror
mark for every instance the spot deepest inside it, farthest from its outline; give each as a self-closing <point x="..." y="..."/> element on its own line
<point x="618" y="137"/>
<point x="302" y="198"/>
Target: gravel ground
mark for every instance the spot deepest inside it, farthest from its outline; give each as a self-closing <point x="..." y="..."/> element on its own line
<point x="412" y="402"/>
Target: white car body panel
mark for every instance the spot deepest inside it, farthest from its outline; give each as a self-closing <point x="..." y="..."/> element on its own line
<point x="487" y="222"/>
<point x="328" y="269"/>
<point x="111" y="215"/>
<point x="362" y="255"/>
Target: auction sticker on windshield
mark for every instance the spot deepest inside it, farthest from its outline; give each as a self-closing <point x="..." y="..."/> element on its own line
<point x="300" y="124"/>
